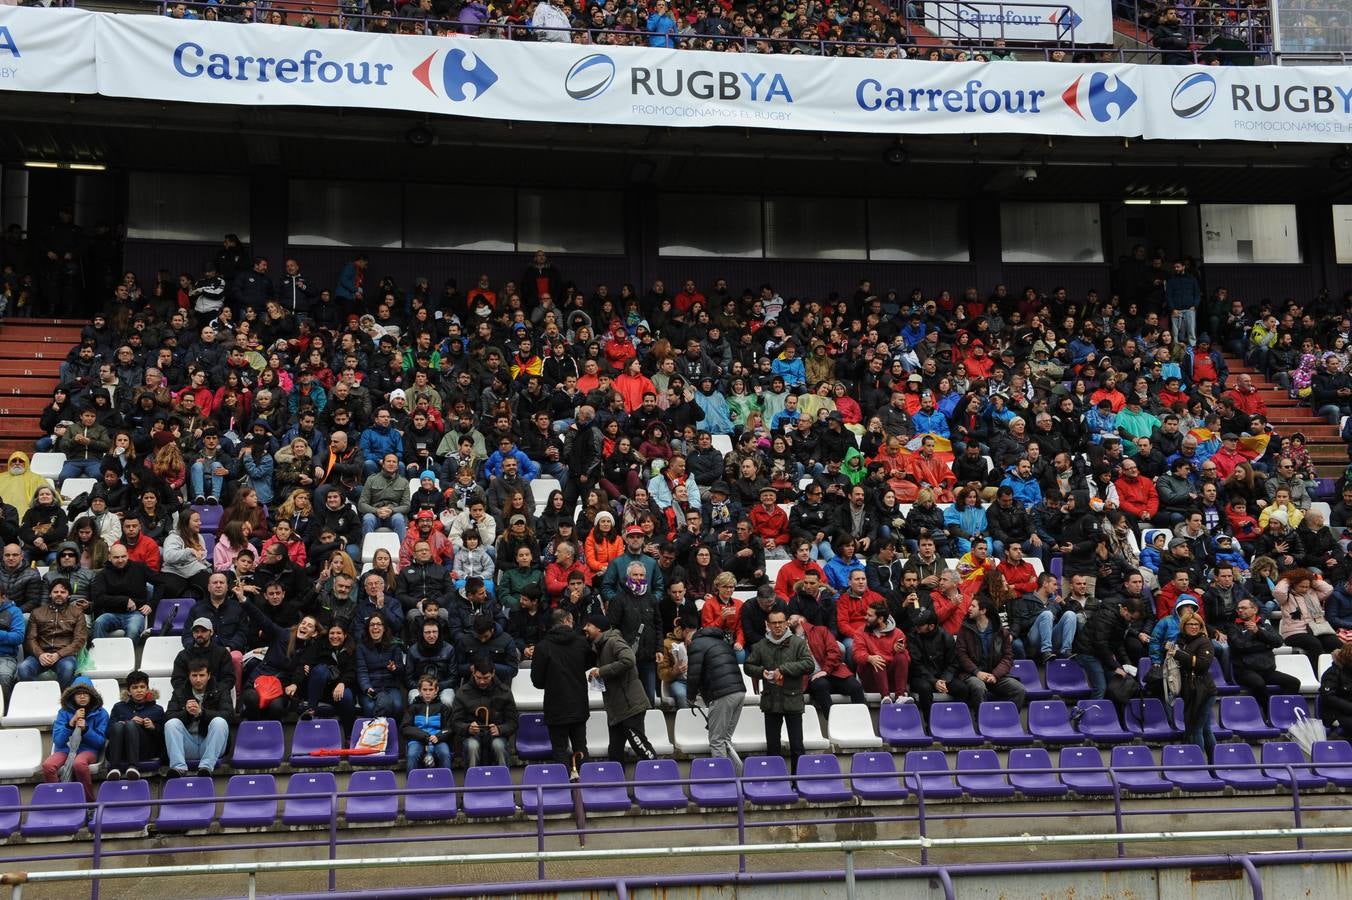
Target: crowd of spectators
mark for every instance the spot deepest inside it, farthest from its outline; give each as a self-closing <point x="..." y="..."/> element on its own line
<point x="904" y="473"/>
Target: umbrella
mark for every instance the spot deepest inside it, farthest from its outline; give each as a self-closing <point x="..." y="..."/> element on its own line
<point x="1306" y="731"/>
<point x="72" y="748"/>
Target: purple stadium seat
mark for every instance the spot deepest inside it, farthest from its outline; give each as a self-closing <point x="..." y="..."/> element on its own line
<point x="1034" y="784"/>
<point x="553" y="800"/>
<point x="1195" y="781"/>
<point x="208" y="541"/>
<point x="1333" y="760"/>
<point x="985" y="784"/>
<point x="597" y="795"/>
<point x="258" y="745"/>
<point x="1056" y="566"/>
<point x="211" y="517"/>
<point x="1147" y="719"/>
<point x="919" y="766"/>
<point x="432" y="794"/>
<point x="1026" y="671"/>
<point x="1224" y="687"/>
<point x="1143" y="669"/>
<point x="1242" y="716"/>
<point x="194" y="813"/>
<point x="1000" y="724"/>
<point x="711" y="781"/>
<point x="1066" y="679"/>
<point x="301" y="810"/>
<point x="1050" y="723"/>
<point x="122" y="819"/>
<point x="1100" y="723"/>
<point x="659" y="796"/>
<point x="821" y="789"/>
<point x="1074" y="761"/>
<point x="486" y="802"/>
<point x="1135" y="768"/>
<point x="764" y="782"/>
<point x="242" y="808"/>
<point x="900" y="725"/>
<point x="173" y="612"/>
<point x="532" y="737"/>
<point x="874" y="777"/>
<point x="951" y="725"/>
<point x="1244" y="779"/>
<point x="1277" y="755"/>
<point x="387" y="760"/>
<point x="55" y="810"/>
<point x="313" y="735"/>
<point x="372" y="798"/>
<point x="1282" y="709"/>
<point x="9" y="810"/>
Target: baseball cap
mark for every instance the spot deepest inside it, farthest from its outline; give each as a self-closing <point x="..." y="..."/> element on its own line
<point x="203" y="622"/>
<point x="425" y="514"/>
<point x="634" y="529"/>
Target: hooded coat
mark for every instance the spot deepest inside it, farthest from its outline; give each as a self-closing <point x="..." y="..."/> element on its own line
<point x="96" y="719"/>
<point x="18" y="490"/>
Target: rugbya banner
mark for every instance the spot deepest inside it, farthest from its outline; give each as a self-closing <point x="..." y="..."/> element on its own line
<point x="1081" y="21"/>
<point x="153" y="58"/>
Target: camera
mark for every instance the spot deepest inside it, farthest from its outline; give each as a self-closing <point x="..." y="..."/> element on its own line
<point x="1028" y="174"/>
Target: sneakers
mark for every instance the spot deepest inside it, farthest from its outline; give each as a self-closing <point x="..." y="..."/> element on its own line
<point x="113" y="775"/>
<point x="903" y="699"/>
<point x="177" y="773"/>
<point x="133" y="774"/>
<point x="212" y="501"/>
<point x="1047" y="657"/>
<point x="307" y="712"/>
<point x="199" y="500"/>
<point x="203" y="772"/>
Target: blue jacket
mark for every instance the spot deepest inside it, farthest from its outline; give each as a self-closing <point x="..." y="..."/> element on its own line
<point x="373" y="667"/>
<point x="1166" y="629"/>
<point x="969" y="519"/>
<point x="529" y="468"/>
<point x="1027" y="490"/>
<point x="13" y="627"/>
<point x="838" y="571"/>
<point x="661" y="31"/>
<point x="930" y="422"/>
<point x="717" y="419"/>
<point x="375" y="442"/>
<point x="1182" y="292"/>
<point x="792" y="370"/>
<point x="96" y="720"/>
<point x="913" y="336"/>
<point x="1338" y="608"/>
<point x="347" y="283"/>
<point x="1080" y="350"/>
<point x="317" y="396"/>
<point x="259" y="470"/>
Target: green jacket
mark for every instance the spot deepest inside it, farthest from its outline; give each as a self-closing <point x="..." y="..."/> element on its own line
<point x="511" y="581"/>
<point x="791" y="657"/>
<point x="381" y="489"/>
<point x="624" y="693"/>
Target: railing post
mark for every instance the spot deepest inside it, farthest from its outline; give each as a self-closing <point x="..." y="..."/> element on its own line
<point x="849" y="874"/>
<point x="920" y="823"/>
<point x="253" y="886"/>
<point x="1117" y="812"/>
<point x="1295" y="806"/>
<point x="333" y="838"/>
<point x="741" y="824"/>
<point x="97" y="858"/>
<point x="540" y="828"/>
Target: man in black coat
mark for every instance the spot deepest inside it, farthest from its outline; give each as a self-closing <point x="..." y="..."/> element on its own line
<point x="713" y="673"/>
<point x="1252" y="640"/>
<point x="559" y="668"/>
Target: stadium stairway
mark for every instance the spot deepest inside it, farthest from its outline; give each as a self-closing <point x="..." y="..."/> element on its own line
<point x="1327" y="450"/>
<point x="31" y="352"/>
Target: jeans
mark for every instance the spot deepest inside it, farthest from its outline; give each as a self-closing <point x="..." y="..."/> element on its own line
<point x="129" y="745"/>
<point x="1093" y="670"/>
<point x="183" y="744"/>
<point x="647" y="674"/>
<point x="1045" y="637"/>
<point x="822" y="552"/>
<point x="319" y="689"/>
<point x="384" y="702"/>
<point x="197" y="479"/>
<point x="80" y="468"/>
<point x="395" y="523"/>
<point x="30" y="669"/>
<point x="133" y="624"/>
<point x="557" y="471"/>
<point x="473" y="746"/>
<point x="723" y="715"/>
<point x="1200" y="734"/>
<point x="680" y="692"/>
<point x="9" y="671"/>
<point x="1184" y="322"/>
<point x="440" y="753"/>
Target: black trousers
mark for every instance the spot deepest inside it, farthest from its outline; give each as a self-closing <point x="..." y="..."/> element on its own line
<point x="619" y="737"/>
<point x="821" y="689"/>
<point x="1336" y="712"/>
<point x="1256" y="683"/>
<point x="567" y="740"/>
<point x="793" y="722"/>
<point x="130" y="745"/>
<point x="1314" y="645"/>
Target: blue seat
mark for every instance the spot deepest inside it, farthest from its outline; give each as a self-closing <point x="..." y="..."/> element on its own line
<point x="372" y="798"/>
<point x="1282" y="710"/>
<point x="124" y="819"/>
<point x="171" y="617"/>
<point x="1050" y="723"/>
<point x="712" y="782"/>
<point x="927" y="770"/>
<point x="1066" y="679"/>
<point x="484" y="803"/>
<point x="659" y="796"/>
<point x="299" y="809"/>
<point x="1243" y="717"/>
<point x="1100" y="723"/>
<point x="552" y="800"/>
<point x="900" y="725"/>
<point x="1000" y="724"/>
<point x="765" y="781"/>
<point x="951" y="725"/>
<point x="389" y="758"/>
<point x="248" y="802"/>
<point x="1230" y="757"/>
<point x="532" y="737"/>
<point x="825" y="784"/>
<point x="1025" y="670"/>
<point x="982" y="784"/>
<point x="1278" y="755"/>
<point x="55" y="810"/>
<point x="1148" y="719"/>
<point x="874" y="777"/>
<point x="9" y="810"/>
<point x="597" y="795"/>
<point x="1034" y="784"/>
<point x="1333" y="760"/>
<point x="1194" y="781"/>
<point x="1076" y="765"/>
<point x="1224" y="687"/>
<point x="313" y="735"/>
<point x="195" y="810"/>
<point x="1134" y="766"/>
<point x="258" y="745"/>
<point x="1218" y="731"/>
<point x="431" y="795"/>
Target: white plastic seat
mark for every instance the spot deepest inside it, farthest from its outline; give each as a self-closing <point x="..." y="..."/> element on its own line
<point x="598" y="737"/>
<point x="541" y="488"/>
<point x="749" y="735"/>
<point x="659" y="735"/>
<point x="20" y="753"/>
<point x="48" y="465"/>
<point x="163" y="689"/>
<point x="752" y="697"/>
<point x="32" y="704"/>
<point x="375" y="541"/>
<point x="76" y="487"/>
<point x="111" y="657"/>
<point x="159" y="653"/>
<point x="690" y="734"/>
<point x="1297" y="665"/>
<point x="772" y="567"/>
<point x="1035" y="563"/>
<point x="109" y="690"/>
<point x="850" y="727"/>
<point x="1325" y="661"/>
<point x="528" y="697"/>
<point x="813" y="739"/>
<point x="1321" y="506"/>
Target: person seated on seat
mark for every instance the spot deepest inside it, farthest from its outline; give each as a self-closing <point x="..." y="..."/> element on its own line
<point x="81" y="727"/>
<point x="135" y="730"/>
<point x="198" y="722"/>
<point x="56" y="634"/>
<point x="426" y="728"/>
<point x="484" y="714"/>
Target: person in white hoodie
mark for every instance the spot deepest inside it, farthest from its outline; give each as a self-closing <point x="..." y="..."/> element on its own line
<point x="471" y="560"/>
<point x="552" y="22"/>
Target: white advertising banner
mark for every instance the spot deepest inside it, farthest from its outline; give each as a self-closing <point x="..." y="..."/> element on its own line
<point x="1081" y="21"/>
<point x="154" y="58"/>
<point x="1262" y="103"/>
<point x="47" y="50"/>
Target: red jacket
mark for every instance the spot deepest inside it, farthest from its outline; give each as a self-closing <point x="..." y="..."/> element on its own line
<point x="1138" y="497"/>
<point x="1251" y="404"/>
<point x="556" y="578"/>
<point x="1021" y="578"/>
<point x="773" y="526"/>
<point x="951" y="614"/>
<point x="825" y="649"/>
<point x="850" y="612"/>
<point x="871" y="643"/>
<point x="712" y="616"/>
<point x="144" y="551"/>
<point x="791" y="573"/>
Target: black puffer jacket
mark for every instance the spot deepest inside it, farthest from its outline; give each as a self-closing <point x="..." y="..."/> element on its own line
<point x="713" y="672"/>
<point x="559" y="668"/>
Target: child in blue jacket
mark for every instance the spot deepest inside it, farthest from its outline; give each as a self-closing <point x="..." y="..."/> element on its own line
<point x="81" y="708"/>
<point x="135" y="730"/>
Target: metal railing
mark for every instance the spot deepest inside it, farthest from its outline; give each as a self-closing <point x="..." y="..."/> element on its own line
<point x="922" y="814"/>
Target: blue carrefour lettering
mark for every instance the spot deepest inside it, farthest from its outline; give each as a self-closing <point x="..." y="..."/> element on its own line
<point x="870" y="95"/>
<point x="7" y="42"/>
<point x="309" y="68"/>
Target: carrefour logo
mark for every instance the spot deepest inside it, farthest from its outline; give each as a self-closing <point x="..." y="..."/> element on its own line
<point x="1102" y="102"/>
<point x="456" y="75"/>
<point x="589" y="77"/>
<point x="1193" y="95"/>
